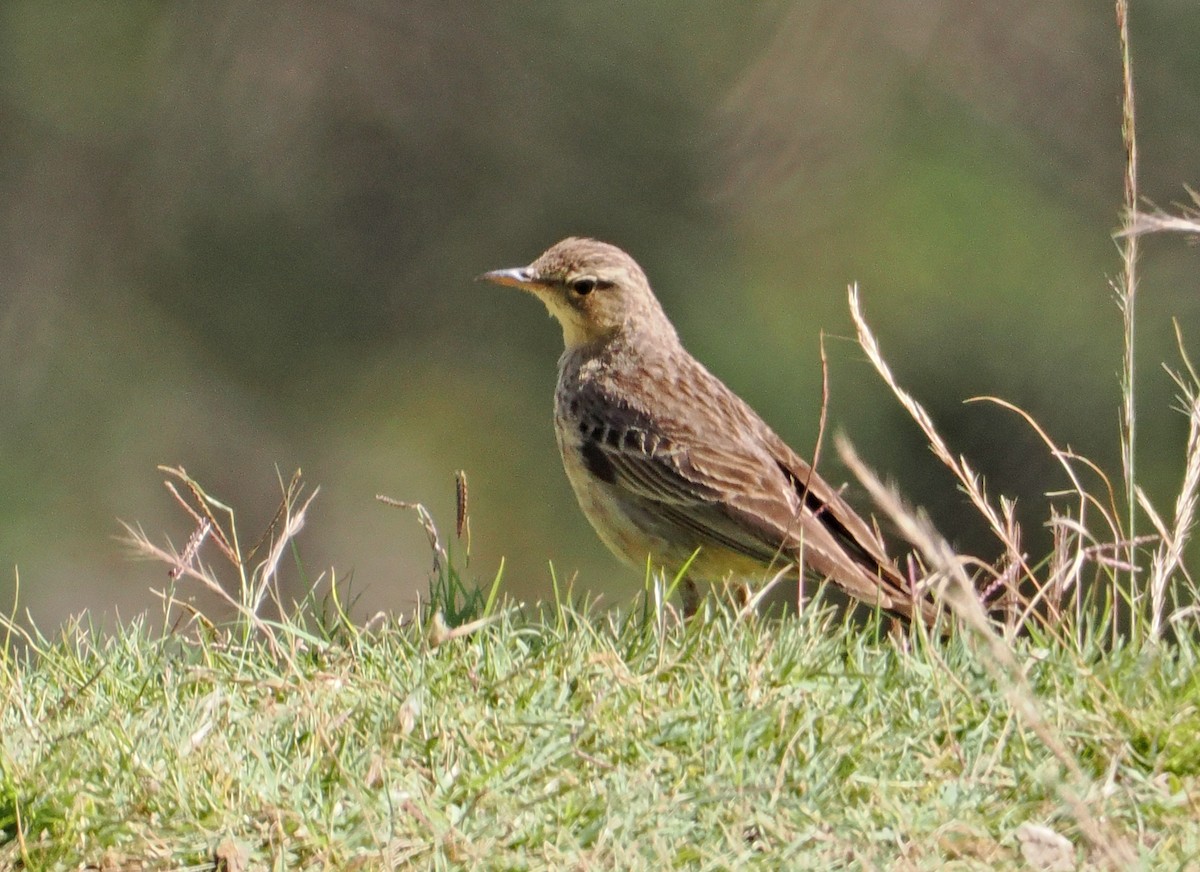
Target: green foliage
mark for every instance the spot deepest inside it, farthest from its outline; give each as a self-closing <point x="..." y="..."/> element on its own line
<point x="480" y="733"/>
<point x="562" y="737"/>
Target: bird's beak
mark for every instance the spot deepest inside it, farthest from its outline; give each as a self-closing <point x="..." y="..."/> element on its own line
<point x="519" y="277"/>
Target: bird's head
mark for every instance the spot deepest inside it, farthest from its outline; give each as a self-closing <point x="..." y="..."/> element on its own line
<point x="595" y="290"/>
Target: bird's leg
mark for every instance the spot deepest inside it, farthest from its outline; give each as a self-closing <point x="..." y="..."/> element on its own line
<point x="690" y="594"/>
<point x="743" y="595"/>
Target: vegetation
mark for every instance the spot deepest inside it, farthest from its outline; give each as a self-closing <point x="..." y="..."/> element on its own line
<point x="566" y="738"/>
<point x="479" y="732"/>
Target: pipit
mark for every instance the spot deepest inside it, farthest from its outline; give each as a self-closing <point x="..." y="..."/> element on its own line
<point x="668" y="463"/>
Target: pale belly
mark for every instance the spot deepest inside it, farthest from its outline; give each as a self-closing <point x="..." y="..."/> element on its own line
<point x="635" y="533"/>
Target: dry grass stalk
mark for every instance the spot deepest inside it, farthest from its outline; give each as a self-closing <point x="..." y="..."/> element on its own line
<point x="1126" y="291"/>
<point x="1167" y="559"/>
<point x="1187" y="221"/>
<point x="957" y="590"/>
<point x="255" y="583"/>
<point x="1002" y="524"/>
<point x="426" y="519"/>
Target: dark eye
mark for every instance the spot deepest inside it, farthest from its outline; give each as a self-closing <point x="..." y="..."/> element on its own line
<point x="583" y="286"/>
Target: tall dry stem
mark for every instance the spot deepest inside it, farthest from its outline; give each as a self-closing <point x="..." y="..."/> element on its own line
<point x="1126" y="289"/>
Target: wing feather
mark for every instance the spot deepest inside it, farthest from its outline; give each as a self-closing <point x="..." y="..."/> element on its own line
<point x="728" y="480"/>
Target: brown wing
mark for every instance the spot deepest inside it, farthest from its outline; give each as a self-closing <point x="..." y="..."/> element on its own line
<point x="724" y="476"/>
<point x="856" y="542"/>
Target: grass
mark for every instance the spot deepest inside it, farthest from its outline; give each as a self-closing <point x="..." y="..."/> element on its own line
<point x="478" y="733"/>
<point x="562" y="738"/>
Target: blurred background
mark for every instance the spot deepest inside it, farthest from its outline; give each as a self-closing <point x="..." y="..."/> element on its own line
<point x="241" y="237"/>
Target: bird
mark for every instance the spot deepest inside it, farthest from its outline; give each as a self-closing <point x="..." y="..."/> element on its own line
<point x="670" y="465"/>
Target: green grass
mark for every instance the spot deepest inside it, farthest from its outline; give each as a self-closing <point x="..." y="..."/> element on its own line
<point x="478" y="734"/>
<point x="560" y="738"/>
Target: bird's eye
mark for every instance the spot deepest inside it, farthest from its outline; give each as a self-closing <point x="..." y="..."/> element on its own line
<point x="583" y="286"/>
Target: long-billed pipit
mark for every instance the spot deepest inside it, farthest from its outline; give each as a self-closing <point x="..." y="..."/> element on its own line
<point x="667" y="462"/>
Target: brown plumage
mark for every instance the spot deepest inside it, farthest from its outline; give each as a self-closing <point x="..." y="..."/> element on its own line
<point x="665" y="459"/>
